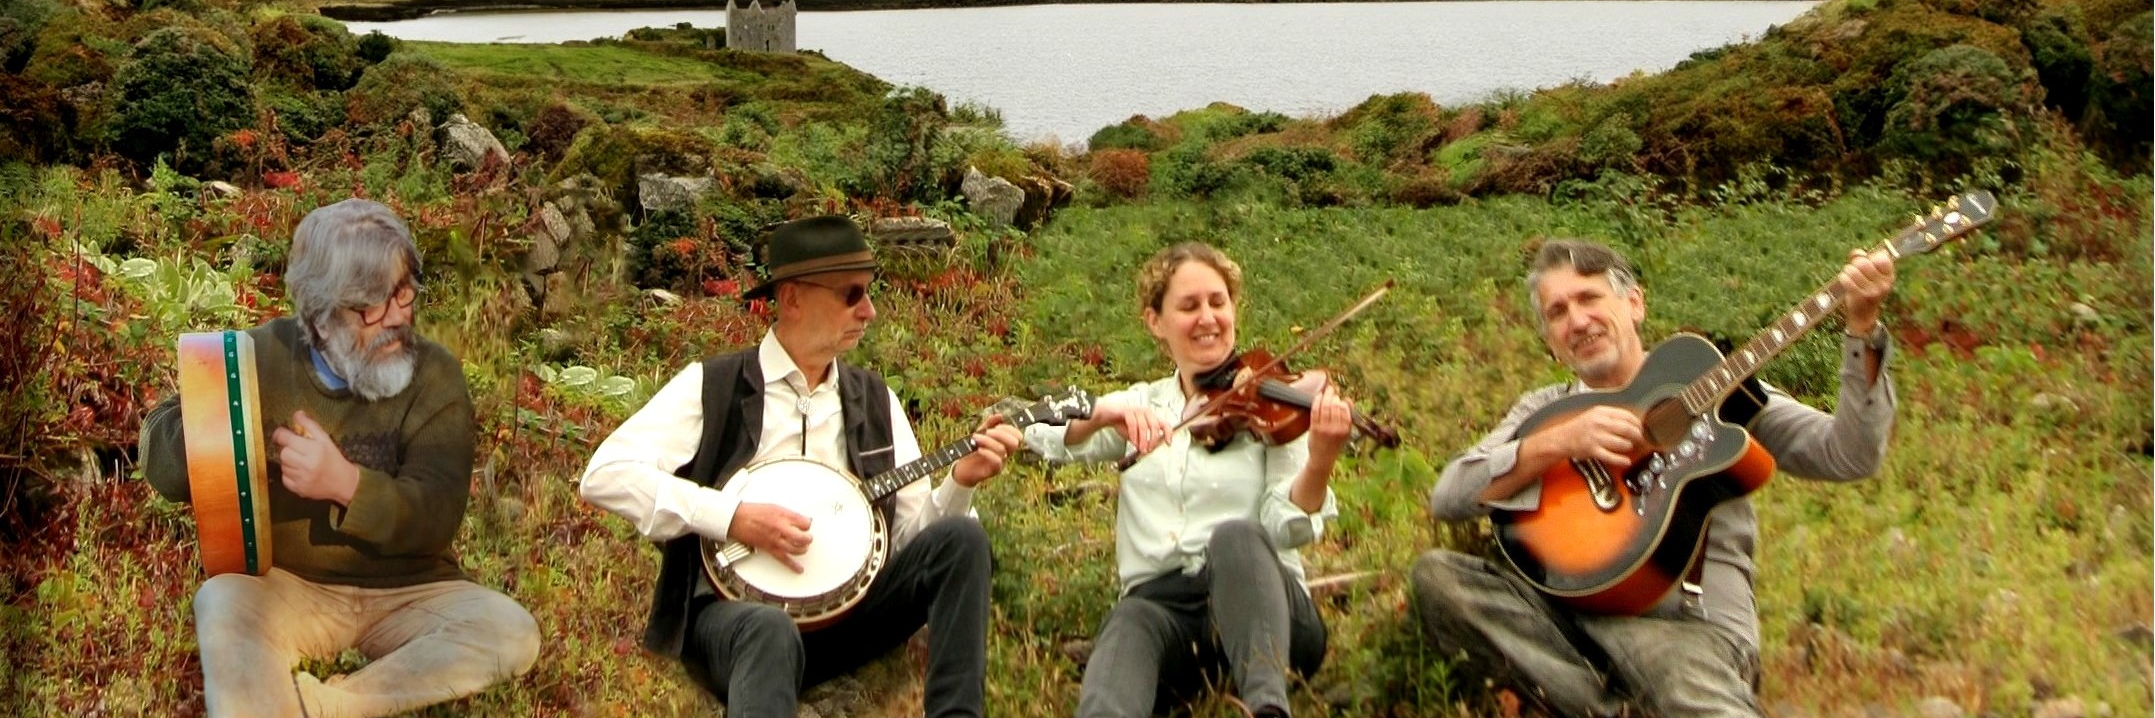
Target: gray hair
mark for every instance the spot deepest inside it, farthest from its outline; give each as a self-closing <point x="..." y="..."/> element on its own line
<point x="1586" y="258"/>
<point x="350" y="254"/>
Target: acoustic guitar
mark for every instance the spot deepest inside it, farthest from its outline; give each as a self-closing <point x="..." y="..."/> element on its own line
<point x="227" y="468"/>
<point x="1617" y="542"/>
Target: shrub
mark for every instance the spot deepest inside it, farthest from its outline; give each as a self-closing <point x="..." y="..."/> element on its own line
<point x="2120" y="96"/>
<point x="1388" y="129"/>
<point x="901" y="147"/>
<point x="375" y="47"/>
<point x="73" y="50"/>
<point x="304" y="116"/>
<point x="1133" y="134"/>
<point x="313" y="55"/>
<point x="666" y="252"/>
<point x="35" y="124"/>
<point x="2058" y="48"/>
<point x="1123" y="172"/>
<point x="1185" y="171"/>
<point x="553" y="131"/>
<point x="406" y="81"/>
<point x="1611" y="143"/>
<point x="1952" y="105"/>
<point x="177" y="93"/>
<point x="1295" y="164"/>
<point x="20" y="23"/>
<point x="2003" y="12"/>
<point x="749" y="126"/>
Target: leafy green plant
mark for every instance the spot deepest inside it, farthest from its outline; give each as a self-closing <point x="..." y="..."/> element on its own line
<point x="179" y="90"/>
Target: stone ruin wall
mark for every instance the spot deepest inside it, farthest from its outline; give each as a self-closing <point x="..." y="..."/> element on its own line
<point x="755" y="28"/>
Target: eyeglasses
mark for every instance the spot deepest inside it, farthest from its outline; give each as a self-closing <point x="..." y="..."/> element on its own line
<point x="405" y="295"/>
<point x="853" y="295"/>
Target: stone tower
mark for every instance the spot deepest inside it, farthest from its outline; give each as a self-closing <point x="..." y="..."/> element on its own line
<point x="755" y="28"/>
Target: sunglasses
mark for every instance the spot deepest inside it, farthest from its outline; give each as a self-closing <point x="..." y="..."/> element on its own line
<point x="853" y="295"/>
<point x="403" y="298"/>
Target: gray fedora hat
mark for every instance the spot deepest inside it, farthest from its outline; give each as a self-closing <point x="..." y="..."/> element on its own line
<point x="829" y="243"/>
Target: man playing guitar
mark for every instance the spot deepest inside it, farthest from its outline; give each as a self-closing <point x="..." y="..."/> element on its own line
<point x="671" y="470"/>
<point x="1695" y="652"/>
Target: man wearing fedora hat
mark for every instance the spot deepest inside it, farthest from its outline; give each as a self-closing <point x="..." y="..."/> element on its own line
<point x="664" y="469"/>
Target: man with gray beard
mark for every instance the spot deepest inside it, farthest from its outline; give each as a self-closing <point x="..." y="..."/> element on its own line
<point x="373" y="447"/>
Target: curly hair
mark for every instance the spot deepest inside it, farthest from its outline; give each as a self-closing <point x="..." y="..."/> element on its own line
<point x="1152" y="277"/>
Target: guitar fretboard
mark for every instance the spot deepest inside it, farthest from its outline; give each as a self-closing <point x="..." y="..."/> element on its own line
<point x="1956" y="217"/>
<point x="1706" y="392"/>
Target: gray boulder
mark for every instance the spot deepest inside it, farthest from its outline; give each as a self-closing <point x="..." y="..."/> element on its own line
<point x="465" y="144"/>
<point x="993" y="198"/>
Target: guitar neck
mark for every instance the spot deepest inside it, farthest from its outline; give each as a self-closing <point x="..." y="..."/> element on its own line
<point x="1706" y="392"/>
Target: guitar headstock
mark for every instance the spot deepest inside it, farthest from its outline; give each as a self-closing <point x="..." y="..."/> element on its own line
<point x="1062" y="407"/>
<point x="1946" y="222"/>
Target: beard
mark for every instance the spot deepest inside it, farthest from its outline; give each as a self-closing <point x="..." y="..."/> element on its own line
<point x="372" y="375"/>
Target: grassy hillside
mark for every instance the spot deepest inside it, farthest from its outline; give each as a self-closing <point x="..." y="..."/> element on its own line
<point x="2001" y="562"/>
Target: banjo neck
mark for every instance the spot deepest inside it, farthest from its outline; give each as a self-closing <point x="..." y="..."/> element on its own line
<point x="1058" y="409"/>
<point x="889" y="482"/>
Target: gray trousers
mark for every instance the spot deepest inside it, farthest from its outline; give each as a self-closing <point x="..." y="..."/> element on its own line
<point x="1244" y="609"/>
<point x="756" y="662"/>
<point x="1508" y="631"/>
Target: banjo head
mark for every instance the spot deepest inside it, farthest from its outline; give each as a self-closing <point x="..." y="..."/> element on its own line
<point x="840" y="520"/>
<point x="849" y="547"/>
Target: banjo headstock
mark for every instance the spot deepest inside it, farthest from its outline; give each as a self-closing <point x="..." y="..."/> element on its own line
<point x="1062" y="407"/>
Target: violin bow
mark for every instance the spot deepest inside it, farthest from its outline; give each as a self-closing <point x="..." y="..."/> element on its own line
<point x="1279" y="360"/>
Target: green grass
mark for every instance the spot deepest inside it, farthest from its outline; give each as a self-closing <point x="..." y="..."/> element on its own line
<point x="2000" y="558"/>
<point x="611" y="65"/>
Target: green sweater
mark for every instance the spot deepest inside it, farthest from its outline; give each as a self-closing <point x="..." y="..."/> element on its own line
<point x="414" y="453"/>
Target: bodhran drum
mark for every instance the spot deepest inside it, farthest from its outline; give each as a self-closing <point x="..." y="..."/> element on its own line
<point x="227" y="467"/>
<point x="851" y="542"/>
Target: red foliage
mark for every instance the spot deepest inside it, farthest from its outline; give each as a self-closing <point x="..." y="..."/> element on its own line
<point x="280" y="180"/>
<point x="1123" y="173"/>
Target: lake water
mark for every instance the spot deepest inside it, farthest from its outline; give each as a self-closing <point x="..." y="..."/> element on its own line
<point x="1065" y="71"/>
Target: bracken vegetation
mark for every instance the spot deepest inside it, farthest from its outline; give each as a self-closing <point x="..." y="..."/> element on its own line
<point x="155" y="157"/>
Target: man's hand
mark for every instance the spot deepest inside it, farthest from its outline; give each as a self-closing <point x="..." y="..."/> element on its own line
<point x="771" y="529"/>
<point x="313" y="465"/>
<point x="993" y="441"/>
<point x="1868" y="278"/>
<point x="1607" y="434"/>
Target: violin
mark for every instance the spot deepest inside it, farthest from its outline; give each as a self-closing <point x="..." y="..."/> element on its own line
<point x="1253" y="392"/>
<point x="1275" y="409"/>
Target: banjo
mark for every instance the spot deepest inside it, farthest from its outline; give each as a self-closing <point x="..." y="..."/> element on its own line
<point x="852" y="538"/>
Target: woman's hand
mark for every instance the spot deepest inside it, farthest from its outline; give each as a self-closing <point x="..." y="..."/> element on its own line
<point x="1331" y="422"/>
<point x="1137" y="425"/>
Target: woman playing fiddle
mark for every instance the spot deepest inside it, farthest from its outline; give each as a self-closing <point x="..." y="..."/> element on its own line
<point x="1205" y="541"/>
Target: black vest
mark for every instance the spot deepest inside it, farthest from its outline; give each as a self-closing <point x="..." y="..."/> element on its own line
<point x="732" y="424"/>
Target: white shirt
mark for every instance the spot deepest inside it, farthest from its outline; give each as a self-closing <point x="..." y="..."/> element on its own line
<point x="631" y="473"/>
<point x="1171" y="500"/>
